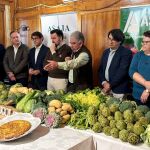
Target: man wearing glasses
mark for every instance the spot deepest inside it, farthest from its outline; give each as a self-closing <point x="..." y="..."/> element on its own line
<point x="113" y="70"/>
<point x="37" y="75"/>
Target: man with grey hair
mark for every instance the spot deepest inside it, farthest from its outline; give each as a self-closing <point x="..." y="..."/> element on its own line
<point x="79" y="64"/>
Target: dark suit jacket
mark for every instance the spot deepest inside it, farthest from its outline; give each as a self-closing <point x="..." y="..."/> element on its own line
<point x="19" y="66"/>
<point x="39" y="81"/>
<point x="118" y="71"/>
<point x="2" y="53"/>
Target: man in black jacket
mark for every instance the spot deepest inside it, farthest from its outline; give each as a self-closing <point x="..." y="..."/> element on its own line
<point x="37" y="55"/>
<point x="2" y="72"/>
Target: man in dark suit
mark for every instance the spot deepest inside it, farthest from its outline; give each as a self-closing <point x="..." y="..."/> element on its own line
<point x="114" y="66"/>
<point x="16" y="60"/>
<point x="2" y="72"/>
<point x="37" y="56"/>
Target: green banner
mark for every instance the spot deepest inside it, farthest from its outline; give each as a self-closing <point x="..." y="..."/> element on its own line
<point x="134" y="22"/>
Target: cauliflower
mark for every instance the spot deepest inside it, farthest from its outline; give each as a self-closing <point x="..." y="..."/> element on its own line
<point x="121" y="125"/>
<point x="143" y="108"/>
<point x="105" y="112"/>
<point x="138" y="129"/>
<point x="123" y="135"/>
<point x="97" y="127"/>
<point x="133" y="139"/>
<point x="107" y="130"/>
<point x="92" y="110"/>
<point x="118" y="116"/>
<point x="114" y="132"/>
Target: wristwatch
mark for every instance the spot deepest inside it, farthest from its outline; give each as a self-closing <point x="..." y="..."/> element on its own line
<point x="147" y="91"/>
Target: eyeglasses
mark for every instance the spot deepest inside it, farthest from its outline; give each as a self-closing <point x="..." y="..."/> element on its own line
<point x="145" y="42"/>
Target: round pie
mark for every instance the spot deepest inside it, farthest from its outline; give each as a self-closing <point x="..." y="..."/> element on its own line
<point x="14" y="129"/>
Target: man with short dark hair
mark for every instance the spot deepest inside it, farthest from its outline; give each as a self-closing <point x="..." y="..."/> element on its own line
<point x="115" y="62"/>
<point x="16" y="60"/>
<point x="37" y="54"/>
<point x="79" y="65"/>
<point x="58" y="78"/>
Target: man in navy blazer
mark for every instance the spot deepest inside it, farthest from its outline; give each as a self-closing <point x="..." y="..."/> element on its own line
<point x="37" y="75"/>
<point x="114" y="66"/>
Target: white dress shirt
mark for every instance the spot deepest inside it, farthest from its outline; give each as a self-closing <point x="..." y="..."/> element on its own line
<point x="37" y="49"/>
<point x="15" y="50"/>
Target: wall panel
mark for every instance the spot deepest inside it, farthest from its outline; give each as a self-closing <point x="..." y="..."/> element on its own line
<point x="96" y="18"/>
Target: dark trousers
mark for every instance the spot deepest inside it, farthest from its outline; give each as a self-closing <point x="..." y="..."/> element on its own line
<point x="23" y="81"/>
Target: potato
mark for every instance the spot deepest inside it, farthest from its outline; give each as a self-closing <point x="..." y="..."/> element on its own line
<point x="51" y="109"/>
<point x="58" y="110"/>
<point x="55" y="103"/>
<point x="66" y="117"/>
<point x="62" y="113"/>
<point x="66" y="107"/>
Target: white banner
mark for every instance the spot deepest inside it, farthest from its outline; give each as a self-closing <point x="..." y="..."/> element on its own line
<point x="65" y="22"/>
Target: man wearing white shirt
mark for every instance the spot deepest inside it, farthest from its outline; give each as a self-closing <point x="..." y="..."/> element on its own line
<point x="16" y="60"/>
<point x="37" y="54"/>
<point x="115" y="62"/>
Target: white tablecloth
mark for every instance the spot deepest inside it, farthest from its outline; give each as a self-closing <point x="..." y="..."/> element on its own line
<point x="103" y="142"/>
<point x="55" y="139"/>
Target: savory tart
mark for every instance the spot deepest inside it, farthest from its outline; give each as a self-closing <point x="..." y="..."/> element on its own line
<point x="14" y="129"/>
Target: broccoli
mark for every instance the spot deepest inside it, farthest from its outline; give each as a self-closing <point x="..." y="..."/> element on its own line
<point x="127" y="105"/>
<point x="133" y="139"/>
<point x="114" y="132"/>
<point x="143" y="108"/>
<point x="123" y="135"/>
<point x="102" y="105"/>
<point x="97" y="127"/>
<point x="112" y="100"/>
